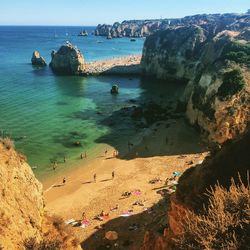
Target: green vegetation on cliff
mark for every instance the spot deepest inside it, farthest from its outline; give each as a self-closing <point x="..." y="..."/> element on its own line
<point x="238" y="53"/>
<point x="233" y="82"/>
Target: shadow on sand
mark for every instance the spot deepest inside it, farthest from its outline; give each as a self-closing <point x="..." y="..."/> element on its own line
<point x="130" y="229"/>
<point x="165" y="127"/>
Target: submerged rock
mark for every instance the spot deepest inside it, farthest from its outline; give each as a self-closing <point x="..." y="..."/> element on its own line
<point x="68" y="60"/>
<point x="37" y="60"/>
<point x="115" y="89"/>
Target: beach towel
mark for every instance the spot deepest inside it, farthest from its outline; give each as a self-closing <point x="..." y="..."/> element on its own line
<point x="126" y="214"/>
<point x="69" y="221"/>
<point x="85" y="222"/>
<point x="176" y="173"/>
<point x="102" y="218"/>
<point x="136" y="193"/>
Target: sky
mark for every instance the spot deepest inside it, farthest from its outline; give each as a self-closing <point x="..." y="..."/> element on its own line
<point x="92" y="12"/>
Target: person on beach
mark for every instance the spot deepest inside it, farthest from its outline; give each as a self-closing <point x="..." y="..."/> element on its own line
<point x="113" y="175"/>
<point x="64" y="159"/>
<point x="54" y="165"/>
<point x="81" y="156"/>
<point x="106" y="151"/>
<point x="83" y="216"/>
<point x="94" y="177"/>
<point x="64" y="181"/>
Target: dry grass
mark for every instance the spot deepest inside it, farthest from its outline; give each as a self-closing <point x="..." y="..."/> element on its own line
<point x="7" y="142"/>
<point x="56" y="236"/>
<point x="224" y="224"/>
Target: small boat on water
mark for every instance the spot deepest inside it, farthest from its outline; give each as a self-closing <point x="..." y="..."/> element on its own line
<point x="132" y="40"/>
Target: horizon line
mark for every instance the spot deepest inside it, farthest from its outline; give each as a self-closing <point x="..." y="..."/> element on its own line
<point x="135" y="19"/>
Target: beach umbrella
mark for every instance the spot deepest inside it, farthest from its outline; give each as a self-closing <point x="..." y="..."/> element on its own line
<point x="111" y="235"/>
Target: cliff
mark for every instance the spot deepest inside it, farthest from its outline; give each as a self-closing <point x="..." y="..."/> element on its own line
<point x="144" y="28"/>
<point x="212" y="55"/>
<point x="24" y="223"/>
<point x="220" y="220"/>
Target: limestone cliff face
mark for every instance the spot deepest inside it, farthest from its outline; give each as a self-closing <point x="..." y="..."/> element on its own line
<point x="23" y="222"/>
<point x="233" y="159"/>
<point x="214" y="58"/>
<point x="144" y="28"/>
<point x="21" y="200"/>
<point x="68" y="60"/>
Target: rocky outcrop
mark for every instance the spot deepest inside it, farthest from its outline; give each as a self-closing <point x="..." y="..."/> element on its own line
<point x="24" y="223"/>
<point x="213" y="56"/>
<point x="37" y="60"/>
<point x="191" y="195"/>
<point x="229" y="162"/>
<point x="68" y="60"/>
<point x="144" y="28"/>
<point x="22" y="205"/>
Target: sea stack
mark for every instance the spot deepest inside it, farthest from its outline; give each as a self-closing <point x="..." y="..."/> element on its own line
<point x="68" y="60"/>
<point x="37" y="60"/>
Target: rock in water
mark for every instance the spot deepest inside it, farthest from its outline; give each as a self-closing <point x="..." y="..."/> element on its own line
<point x="68" y="60"/>
<point x="37" y="60"/>
<point x="115" y="89"/>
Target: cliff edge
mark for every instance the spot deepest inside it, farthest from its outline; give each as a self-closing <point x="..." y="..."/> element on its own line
<point x="213" y="58"/>
<point x="24" y="223"/>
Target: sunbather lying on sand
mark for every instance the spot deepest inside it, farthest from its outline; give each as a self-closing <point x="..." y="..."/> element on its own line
<point x="102" y="216"/>
<point x="114" y="208"/>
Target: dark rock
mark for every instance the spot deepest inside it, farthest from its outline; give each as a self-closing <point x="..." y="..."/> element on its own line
<point x="115" y="89"/>
<point x="37" y="60"/>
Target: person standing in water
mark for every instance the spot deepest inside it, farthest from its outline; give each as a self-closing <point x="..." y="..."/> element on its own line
<point x="54" y="165"/>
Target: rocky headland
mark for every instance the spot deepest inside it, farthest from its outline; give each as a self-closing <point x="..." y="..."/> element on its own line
<point x="68" y="60"/>
<point x="213" y="58"/>
<point x="144" y="28"/>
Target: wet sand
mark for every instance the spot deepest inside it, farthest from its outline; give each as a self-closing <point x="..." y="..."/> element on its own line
<point x="154" y="156"/>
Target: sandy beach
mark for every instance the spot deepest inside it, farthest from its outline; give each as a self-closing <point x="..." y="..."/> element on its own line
<point x="127" y="65"/>
<point x="154" y="157"/>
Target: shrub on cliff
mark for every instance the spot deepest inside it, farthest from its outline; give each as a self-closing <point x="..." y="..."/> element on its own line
<point x="233" y="82"/>
<point x="224" y="224"/>
<point x="56" y="235"/>
<point x="7" y="142"/>
<point x="237" y="52"/>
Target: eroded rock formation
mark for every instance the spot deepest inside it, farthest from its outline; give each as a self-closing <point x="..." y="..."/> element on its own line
<point x="22" y="204"/>
<point x="37" y="60"/>
<point x="68" y="60"/>
<point x="144" y="28"/>
<point x="24" y="223"/>
<point x="213" y="56"/>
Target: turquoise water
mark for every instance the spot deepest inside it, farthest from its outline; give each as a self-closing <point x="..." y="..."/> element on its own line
<point x="45" y="113"/>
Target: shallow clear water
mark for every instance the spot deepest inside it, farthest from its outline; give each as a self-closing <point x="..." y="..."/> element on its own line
<point x="46" y="114"/>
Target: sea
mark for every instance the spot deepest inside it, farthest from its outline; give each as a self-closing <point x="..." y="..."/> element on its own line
<point x="46" y="114"/>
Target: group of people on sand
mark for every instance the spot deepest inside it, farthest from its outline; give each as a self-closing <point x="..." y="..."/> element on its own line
<point x="94" y="177"/>
<point x="84" y="156"/>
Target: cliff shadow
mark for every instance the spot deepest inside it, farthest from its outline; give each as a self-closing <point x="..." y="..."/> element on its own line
<point x="151" y="124"/>
<point x="130" y="230"/>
